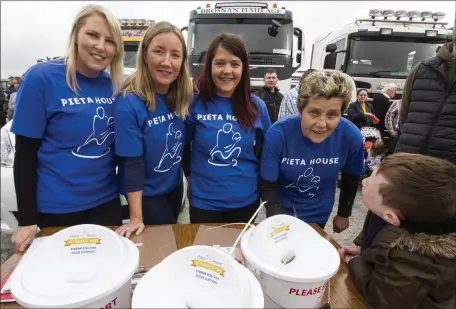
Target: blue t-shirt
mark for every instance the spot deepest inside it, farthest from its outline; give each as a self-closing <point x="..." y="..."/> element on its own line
<point x="76" y="160"/>
<point x="156" y="135"/>
<point x="224" y="170"/>
<point x="306" y="172"/>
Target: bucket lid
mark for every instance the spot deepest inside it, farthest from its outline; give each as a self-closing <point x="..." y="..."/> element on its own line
<point x="287" y="248"/>
<point x="197" y="277"/>
<point x="75" y="267"/>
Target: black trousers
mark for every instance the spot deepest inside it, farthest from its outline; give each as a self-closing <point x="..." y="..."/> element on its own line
<point x="242" y="214"/>
<point x="163" y="209"/>
<point x="109" y="213"/>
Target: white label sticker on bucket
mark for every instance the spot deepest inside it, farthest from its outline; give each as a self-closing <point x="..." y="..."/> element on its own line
<point x="83" y="243"/>
<point x="208" y="269"/>
<point x="279" y="232"/>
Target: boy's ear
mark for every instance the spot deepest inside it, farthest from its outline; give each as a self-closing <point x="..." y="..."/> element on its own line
<point x="393" y="217"/>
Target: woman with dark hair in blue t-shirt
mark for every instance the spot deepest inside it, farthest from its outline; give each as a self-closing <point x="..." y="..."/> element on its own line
<point x="65" y="167"/>
<point x="226" y="125"/>
<point x="303" y="154"/>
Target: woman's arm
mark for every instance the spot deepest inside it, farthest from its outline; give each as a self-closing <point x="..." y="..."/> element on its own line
<point x="129" y="147"/>
<point x="134" y="184"/>
<point x="269" y="174"/>
<point x="261" y="132"/>
<point x="269" y="191"/>
<point x="351" y="172"/>
<point x="29" y="125"/>
<point x="355" y="116"/>
<point x="25" y="178"/>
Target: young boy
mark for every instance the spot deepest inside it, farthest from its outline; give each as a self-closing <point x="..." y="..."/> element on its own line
<point x="408" y="256"/>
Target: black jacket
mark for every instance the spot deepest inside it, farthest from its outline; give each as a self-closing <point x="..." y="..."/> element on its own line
<point x="356" y="114"/>
<point x="272" y="100"/>
<point x="430" y="127"/>
<point x="381" y="105"/>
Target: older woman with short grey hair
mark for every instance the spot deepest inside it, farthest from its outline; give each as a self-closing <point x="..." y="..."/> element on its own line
<point x="303" y="154"/>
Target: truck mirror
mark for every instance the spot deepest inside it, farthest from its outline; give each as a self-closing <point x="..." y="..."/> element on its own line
<point x="330" y="48"/>
<point x="298" y="33"/>
<point x="298" y="58"/>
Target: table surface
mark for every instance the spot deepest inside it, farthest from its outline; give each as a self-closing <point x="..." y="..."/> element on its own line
<point x="343" y="292"/>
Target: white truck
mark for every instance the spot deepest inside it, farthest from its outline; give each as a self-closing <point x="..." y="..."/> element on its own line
<point x="133" y="31"/>
<point x="266" y="30"/>
<point x="382" y="47"/>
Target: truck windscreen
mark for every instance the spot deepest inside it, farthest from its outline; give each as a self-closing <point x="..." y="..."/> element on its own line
<point x="391" y="57"/>
<point x="253" y="32"/>
<point x="131" y="49"/>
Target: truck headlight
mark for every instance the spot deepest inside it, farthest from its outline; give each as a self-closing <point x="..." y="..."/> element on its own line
<point x="6" y="149"/>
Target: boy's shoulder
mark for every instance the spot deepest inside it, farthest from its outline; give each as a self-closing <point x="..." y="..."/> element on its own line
<point x="418" y="246"/>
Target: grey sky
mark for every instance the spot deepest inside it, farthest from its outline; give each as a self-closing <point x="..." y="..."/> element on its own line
<point x="35" y="29"/>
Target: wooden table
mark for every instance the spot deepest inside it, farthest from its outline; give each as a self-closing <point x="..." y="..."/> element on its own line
<point x="343" y="292"/>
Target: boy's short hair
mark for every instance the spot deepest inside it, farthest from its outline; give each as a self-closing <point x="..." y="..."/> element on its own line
<point x="423" y="188"/>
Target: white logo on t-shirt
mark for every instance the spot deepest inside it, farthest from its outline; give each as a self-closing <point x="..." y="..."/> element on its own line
<point x="307" y="182"/>
<point x="226" y="148"/>
<point x="170" y="155"/>
<point x="102" y="135"/>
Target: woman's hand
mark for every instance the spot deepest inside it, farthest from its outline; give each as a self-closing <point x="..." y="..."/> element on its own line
<point x="374" y="118"/>
<point x="134" y="225"/>
<point x="340" y="224"/>
<point x="348" y="252"/>
<point x="23" y="236"/>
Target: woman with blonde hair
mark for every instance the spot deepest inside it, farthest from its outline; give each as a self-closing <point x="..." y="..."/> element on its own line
<point x="151" y="107"/>
<point x="303" y="154"/>
<point x="64" y="167"/>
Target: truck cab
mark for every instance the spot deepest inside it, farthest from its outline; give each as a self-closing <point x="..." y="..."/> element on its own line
<point x="133" y="31"/>
<point x="267" y="31"/>
<point x="381" y="48"/>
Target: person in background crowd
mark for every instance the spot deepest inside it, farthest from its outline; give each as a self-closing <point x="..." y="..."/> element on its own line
<point x="12" y="88"/>
<point x="3" y="102"/>
<point x="392" y="124"/>
<point x="270" y="94"/>
<point x="303" y="154"/>
<point x="12" y="100"/>
<point x="409" y="259"/>
<point x="7" y="95"/>
<point x="226" y="127"/>
<point x="150" y="110"/>
<point x="64" y="166"/>
<point x="361" y="112"/>
<point x="428" y="110"/>
<point x="381" y="103"/>
<point x="289" y="104"/>
<point x="375" y="154"/>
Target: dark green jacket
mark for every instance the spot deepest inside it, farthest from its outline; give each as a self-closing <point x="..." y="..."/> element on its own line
<point x="401" y="270"/>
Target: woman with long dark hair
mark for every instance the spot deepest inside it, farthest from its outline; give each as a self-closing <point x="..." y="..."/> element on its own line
<point x="226" y="128"/>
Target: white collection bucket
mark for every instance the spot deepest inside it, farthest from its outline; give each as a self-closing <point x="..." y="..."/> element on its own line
<point x="84" y="266"/>
<point x="312" y="261"/>
<point x="198" y="277"/>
